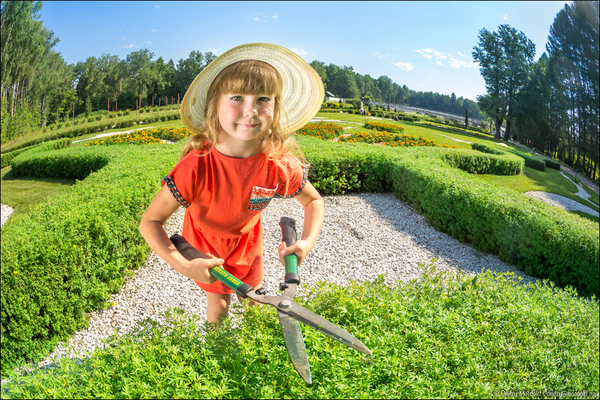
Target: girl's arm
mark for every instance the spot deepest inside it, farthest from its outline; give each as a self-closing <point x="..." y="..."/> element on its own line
<point x="313" y="221"/>
<point x="151" y="227"/>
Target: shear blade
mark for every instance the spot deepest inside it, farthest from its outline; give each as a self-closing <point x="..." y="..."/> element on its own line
<point x="325" y="327"/>
<point x="295" y="345"/>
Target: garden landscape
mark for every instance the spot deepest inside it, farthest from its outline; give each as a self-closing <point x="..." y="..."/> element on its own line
<point x="400" y="182"/>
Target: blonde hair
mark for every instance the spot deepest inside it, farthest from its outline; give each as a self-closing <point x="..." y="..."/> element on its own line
<point x="247" y="77"/>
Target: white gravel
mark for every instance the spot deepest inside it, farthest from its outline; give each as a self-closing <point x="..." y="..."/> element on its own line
<point x="562" y="202"/>
<point x="6" y="211"/>
<point x="363" y="236"/>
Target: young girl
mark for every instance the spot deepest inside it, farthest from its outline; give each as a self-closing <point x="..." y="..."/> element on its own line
<point x="241" y="108"/>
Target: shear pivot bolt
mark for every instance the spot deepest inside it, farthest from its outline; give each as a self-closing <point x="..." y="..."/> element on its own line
<point x="285" y="304"/>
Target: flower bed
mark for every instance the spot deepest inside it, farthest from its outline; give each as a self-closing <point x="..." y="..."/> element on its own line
<point x="378" y="126"/>
<point x="389" y="139"/>
<point x="145" y="136"/>
<point x="322" y="130"/>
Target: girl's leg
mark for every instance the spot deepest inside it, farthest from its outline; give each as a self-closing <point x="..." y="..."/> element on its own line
<point x="217" y="305"/>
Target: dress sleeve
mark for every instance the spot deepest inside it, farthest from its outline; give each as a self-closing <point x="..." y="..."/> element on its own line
<point x="298" y="176"/>
<point x="182" y="181"/>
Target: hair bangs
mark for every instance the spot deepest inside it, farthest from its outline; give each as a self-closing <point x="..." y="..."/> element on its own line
<point x="251" y="77"/>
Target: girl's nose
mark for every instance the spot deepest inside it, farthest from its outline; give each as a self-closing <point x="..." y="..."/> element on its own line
<point x="251" y="109"/>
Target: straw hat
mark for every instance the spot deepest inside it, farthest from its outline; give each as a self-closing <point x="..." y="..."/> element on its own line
<point x="302" y="91"/>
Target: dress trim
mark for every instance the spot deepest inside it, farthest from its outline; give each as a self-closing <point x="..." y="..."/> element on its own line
<point x="171" y="185"/>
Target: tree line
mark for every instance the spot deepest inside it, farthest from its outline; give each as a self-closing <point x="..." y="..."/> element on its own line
<point x="344" y="82"/>
<point x="551" y="105"/>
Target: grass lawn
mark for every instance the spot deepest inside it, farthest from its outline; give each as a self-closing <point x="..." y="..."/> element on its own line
<point x="23" y="194"/>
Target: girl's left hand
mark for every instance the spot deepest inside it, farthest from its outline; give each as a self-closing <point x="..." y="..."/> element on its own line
<point x="301" y="248"/>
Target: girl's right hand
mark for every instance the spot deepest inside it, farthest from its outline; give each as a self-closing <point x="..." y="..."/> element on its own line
<point x="199" y="269"/>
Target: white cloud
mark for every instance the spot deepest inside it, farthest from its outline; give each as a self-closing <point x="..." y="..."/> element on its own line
<point x="260" y="17"/>
<point x="460" y="54"/>
<point x="378" y="55"/>
<point x="153" y="30"/>
<point x="503" y="16"/>
<point x="157" y="6"/>
<point x="131" y="46"/>
<point x="444" y="59"/>
<point x="300" y="52"/>
<point x="405" y="66"/>
<point x="454" y="63"/>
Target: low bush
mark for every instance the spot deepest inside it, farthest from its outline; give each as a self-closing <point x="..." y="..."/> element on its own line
<point x="66" y="257"/>
<point x="534" y="162"/>
<point x="552" y="164"/>
<point x="478" y="163"/>
<point x="486" y="148"/>
<point x="442" y="337"/>
<point x="75" y="164"/>
<point x="541" y="240"/>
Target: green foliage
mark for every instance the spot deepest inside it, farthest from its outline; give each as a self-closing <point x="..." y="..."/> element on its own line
<point x="64" y="258"/>
<point x="552" y="164"/>
<point x="479" y="163"/>
<point x="443" y="337"/>
<point x="52" y="145"/>
<point x="541" y="240"/>
<point x="534" y="162"/>
<point x="485" y="148"/>
<point x="77" y="163"/>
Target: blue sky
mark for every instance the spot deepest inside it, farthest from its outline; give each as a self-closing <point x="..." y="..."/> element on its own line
<point x="426" y="46"/>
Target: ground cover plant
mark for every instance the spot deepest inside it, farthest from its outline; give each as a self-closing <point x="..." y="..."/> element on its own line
<point x="445" y="336"/>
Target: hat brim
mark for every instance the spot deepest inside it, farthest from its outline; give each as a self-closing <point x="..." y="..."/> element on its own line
<point x="302" y="93"/>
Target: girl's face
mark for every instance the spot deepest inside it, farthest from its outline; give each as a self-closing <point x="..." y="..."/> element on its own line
<point x="244" y="117"/>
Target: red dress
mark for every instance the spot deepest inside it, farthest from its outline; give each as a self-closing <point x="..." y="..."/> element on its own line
<point x="224" y="197"/>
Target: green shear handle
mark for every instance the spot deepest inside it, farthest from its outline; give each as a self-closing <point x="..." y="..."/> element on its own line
<point x="288" y="234"/>
<point x="190" y="253"/>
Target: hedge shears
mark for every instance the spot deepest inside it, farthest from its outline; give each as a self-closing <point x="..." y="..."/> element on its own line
<point x="288" y="311"/>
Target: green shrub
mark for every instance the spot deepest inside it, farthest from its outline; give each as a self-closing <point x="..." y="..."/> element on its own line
<point x="552" y="164"/>
<point x="541" y="240"/>
<point x="485" y="148"/>
<point x="478" y="163"/>
<point x="534" y="162"/>
<point x="66" y="257"/>
<point x="442" y="337"/>
<point x="75" y="164"/>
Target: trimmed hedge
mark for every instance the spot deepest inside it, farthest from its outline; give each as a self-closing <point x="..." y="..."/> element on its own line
<point x="552" y="164"/>
<point x="53" y="145"/>
<point x="542" y="240"/>
<point x="66" y="257"/>
<point x="479" y="163"/>
<point x="486" y="148"/>
<point x="535" y="162"/>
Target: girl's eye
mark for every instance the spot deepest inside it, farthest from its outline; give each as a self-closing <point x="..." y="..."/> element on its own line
<point x="265" y="99"/>
<point x="236" y="98"/>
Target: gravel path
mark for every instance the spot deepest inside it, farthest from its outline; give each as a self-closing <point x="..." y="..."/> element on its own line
<point x="363" y="236"/>
<point x="6" y="211"/>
